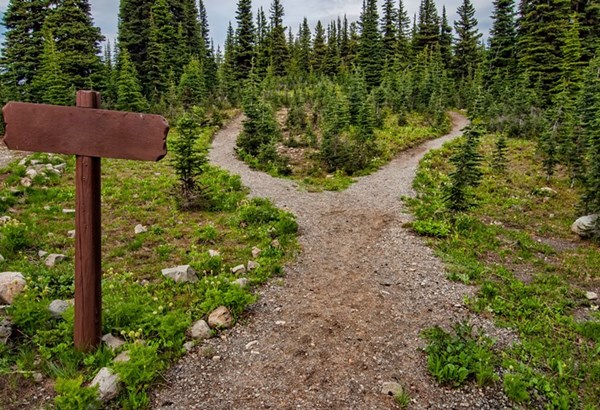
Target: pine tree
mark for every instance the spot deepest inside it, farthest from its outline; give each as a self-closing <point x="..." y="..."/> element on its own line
<point x="156" y="65"/>
<point x="319" y="49"/>
<point x="427" y="34"/>
<point x="262" y="57"/>
<point x="192" y="90"/>
<point x="228" y="75"/>
<point x="109" y="89"/>
<point x="277" y="44"/>
<point x="51" y="84"/>
<point x="590" y="121"/>
<point x="389" y="28"/>
<point x="244" y="39"/>
<point x="499" y="162"/>
<point x="589" y="18"/>
<point x="130" y="96"/>
<point x="304" y="47"/>
<point x="466" y="46"/>
<point x="331" y="64"/>
<point x="134" y="31"/>
<point x="445" y="39"/>
<point x="403" y="46"/>
<point x="22" y="47"/>
<point x="370" y="57"/>
<point x="192" y="32"/>
<point x="502" y="50"/>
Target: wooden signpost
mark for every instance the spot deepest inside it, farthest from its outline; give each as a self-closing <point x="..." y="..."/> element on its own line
<point x="90" y="134"/>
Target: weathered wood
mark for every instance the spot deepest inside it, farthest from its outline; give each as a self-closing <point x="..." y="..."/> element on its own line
<point x="92" y="132"/>
<point x="88" y="247"/>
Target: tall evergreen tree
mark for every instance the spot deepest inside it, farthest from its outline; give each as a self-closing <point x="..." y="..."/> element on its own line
<point x="331" y="65"/>
<point x="370" y="57"/>
<point x="403" y="47"/>
<point x="466" y="46"/>
<point x="228" y="75"/>
<point x="51" y="84"/>
<point x="244" y="39"/>
<point x="389" y="28"/>
<point x="156" y="65"/>
<point x="319" y="49"/>
<point x="445" y="39"/>
<point x="130" y="97"/>
<point x="590" y="121"/>
<point x="192" y="89"/>
<point x="588" y="15"/>
<point x="427" y="33"/>
<point x="304" y="47"/>
<point x="22" y="47"/>
<point x="134" y="32"/>
<point x="262" y="50"/>
<point x="502" y="50"/>
<point x="278" y="45"/>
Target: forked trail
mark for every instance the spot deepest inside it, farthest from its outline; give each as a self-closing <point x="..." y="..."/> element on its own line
<point x="353" y="304"/>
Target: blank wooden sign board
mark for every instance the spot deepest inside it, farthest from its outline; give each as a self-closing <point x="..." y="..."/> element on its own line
<point x="90" y="134"/>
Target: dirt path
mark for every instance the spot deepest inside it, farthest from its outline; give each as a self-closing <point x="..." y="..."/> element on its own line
<point x="353" y="304"/>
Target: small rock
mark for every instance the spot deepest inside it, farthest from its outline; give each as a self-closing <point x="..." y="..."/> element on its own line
<point x="11" y="284"/>
<point x="109" y="384"/>
<point x="188" y="346"/>
<point x="181" y="274"/>
<point x="256" y="252"/>
<point x="37" y="377"/>
<point x="5" y="330"/>
<point x="252" y="266"/>
<point x="392" y="389"/>
<point x="251" y="344"/>
<point x="123" y="357"/>
<point x="585" y="225"/>
<point x="60" y="167"/>
<point x="31" y="173"/>
<point x="112" y="342"/>
<point x="26" y="182"/>
<point x="71" y="234"/>
<point x="23" y="162"/>
<point x="47" y="208"/>
<point x="591" y="295"/>
<point x="213" y="254"/>
<point x="275" y="244"/>
<point x="241" y="282"/>
<point x="547" y="191"/>
<point x="41" y="254"/>
<point x="68" y="211"/>
<point x="200" y="331"/>
<point x="216" y="358"/>
<point x="280" y="323"/>
<point x="53" y="259"/>
<point x="139" y="229"/>
<point x="220" y="318"/>
<point x="58" y="307"/>
<point x="239" y="270"/>
<point x="5" y="219"/>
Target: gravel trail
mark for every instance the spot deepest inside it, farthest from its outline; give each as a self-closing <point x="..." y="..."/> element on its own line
<point x="347" y="316"/>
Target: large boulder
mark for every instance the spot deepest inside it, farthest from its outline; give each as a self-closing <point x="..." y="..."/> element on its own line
<point x="585" y="226"/>
<point x="11" y="284"/>
<point x="181" y="274"/>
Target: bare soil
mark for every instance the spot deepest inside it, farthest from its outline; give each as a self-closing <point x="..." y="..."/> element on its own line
<point x="347" y="316"/>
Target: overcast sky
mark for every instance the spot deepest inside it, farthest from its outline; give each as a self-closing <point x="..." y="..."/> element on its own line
<point x="220" y="12"/>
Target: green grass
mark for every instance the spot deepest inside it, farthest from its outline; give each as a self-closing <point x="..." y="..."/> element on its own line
<point x="139" y="304"/>
<point x="516" y="246"/>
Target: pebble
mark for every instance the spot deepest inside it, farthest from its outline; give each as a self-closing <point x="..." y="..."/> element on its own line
<point x="68" y="211"/>
<point x="251" y="344"/>
<point x="53" y="259"/>
<point x="139" y="229"/>
<point x="200" y="331"/>
<point x="112" y="342"/>
<point x="238" y="270"/>
<point x="213" y="253"/>
<point x="591" y="295"/>
<point x="280" y="323"/>
<point x="256" y="252"/>
<point x="71" y="234"/>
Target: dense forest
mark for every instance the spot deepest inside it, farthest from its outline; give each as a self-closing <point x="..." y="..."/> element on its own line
<point x="537" y="76"/>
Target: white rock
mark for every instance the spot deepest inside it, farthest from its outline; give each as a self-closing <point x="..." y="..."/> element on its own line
<point x="213" y="254"/>
<point x="256" y="252"/>
<point x="140" y="229"/>
<point x="53" y="259"/>
<point x="392" y="388"/>
<point x="123" y="357"/>
<point x="585" y="225"/>
<point x="275" y="244"/>
<point x="26" y="182"/>
<point x="241" y="282"/>
<point x="280" y="323"/>
<point x="591" y="295"/>
<point x="5" y="330"/>
<point x="60" y="167"/>
<point x="47" y="208"/>
<point x="41" y="254"/>
<point x="11" y="284"/>
<point x="220" y="318"/>
<point x="71" y="234"/>
<point x="5" y="219"/>
<point x="38" y="377"/>
<point x="181" y="274"/>
<point x="112" y="342"/>
<point x="252" y="266"/>
<point x="68" y="211"/>
<point x="23" y="162"/>
<point x="58" y="307"/>
<point x="109" y="384"/>
<point x="251" y="344"/>
<point x="239" y="270"/>
<point x="31" y="173"/>
<point x="216" y="358"/>
<point x="548" y="191"/>
<point x="200" y="331"/>
<point x="188" y="346"/>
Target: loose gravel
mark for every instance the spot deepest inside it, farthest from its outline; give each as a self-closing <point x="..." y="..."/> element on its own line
<point x="347" y="316"/>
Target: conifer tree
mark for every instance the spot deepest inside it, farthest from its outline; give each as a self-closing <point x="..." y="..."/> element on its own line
<point x="262" y="51"/>
<point x="277" y="43"/>
<point x="156" y="65"/>
<point x="109" y="89"/>
<point x="590" y="121"/>
<point x="589" y="18"/>
<point x="228" y="75"/>
<point x="22" y="47"/>
<point x="427" y="31"/>
<point x="445" y="39"/>
<point x="244" y="39"/>
<point x="51" y="85"/>
<point x="134" y="31"/>
<point x="192" y="32"/>
<point x="466" y="47"/>
<point x="370" y="58"/>
<point x="192" y="88"/>
<point x="502" y="50"/>
<point x="130" y="97"/>
<point x="304" y="47"/>
<point x="403" y="46"/>
<point x="331" y="64"/>
<point x="389" y="28"/>
<point x="319" y="49"/>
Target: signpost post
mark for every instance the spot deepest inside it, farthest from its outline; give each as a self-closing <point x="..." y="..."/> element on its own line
<point x="90" y="134"/>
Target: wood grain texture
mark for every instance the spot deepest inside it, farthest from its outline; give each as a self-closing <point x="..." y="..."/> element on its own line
<point x="88" y="245"/>
<point x="88" y="132"/>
